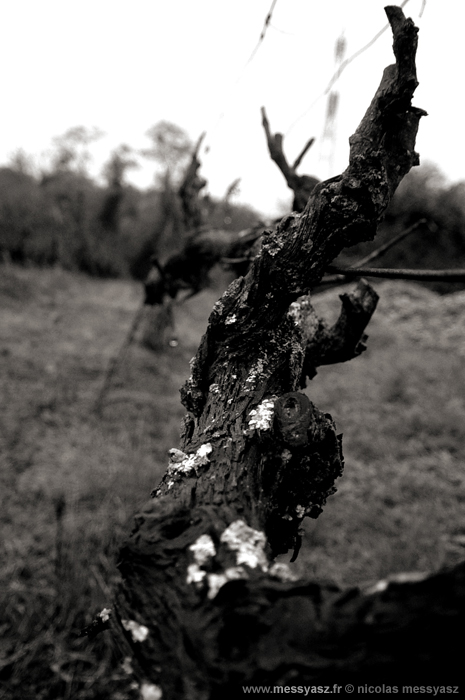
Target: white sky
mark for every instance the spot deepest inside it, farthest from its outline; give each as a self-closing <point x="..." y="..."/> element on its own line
<point x="123" y="65"/>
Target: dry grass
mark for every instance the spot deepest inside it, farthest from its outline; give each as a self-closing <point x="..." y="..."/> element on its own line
<point x="71" y="481"/>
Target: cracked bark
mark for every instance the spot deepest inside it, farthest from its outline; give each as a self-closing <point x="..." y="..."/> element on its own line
<point x="257" y="457"/>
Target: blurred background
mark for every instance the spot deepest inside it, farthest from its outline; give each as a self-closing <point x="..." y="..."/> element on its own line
<point x="103" y="105"/>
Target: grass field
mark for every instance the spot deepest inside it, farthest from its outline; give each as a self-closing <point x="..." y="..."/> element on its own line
<point x="71" y="480"/>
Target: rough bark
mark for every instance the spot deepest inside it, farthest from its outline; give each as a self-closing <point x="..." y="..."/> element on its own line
<point x="202" y="608"/>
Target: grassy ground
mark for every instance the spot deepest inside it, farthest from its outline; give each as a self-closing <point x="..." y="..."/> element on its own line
<point x="71" y="480"/>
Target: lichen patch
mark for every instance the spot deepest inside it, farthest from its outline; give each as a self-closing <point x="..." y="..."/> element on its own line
<point x="255" y="373"/>
<point x="150" y="691"/>
<point x="127" y="666"/>
<point x="181" y="463"/>
<point x="301" y="310"/>
<point x="195" y="574"/>
<point x="281" y="571"/>
<point x="249" y="544"/>
<point x="104" y="614"/>
<point x="261" y="418"/>
<point x="176" y="456"/>
<point x="139" y="633"/>
<point x="217" y="581"/>
<point x="203" y="548"/>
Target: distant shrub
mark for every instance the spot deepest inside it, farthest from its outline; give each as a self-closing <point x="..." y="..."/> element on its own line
<point x="61" y="219"/>
<point x="24" y="220"/>
<point x="423" y="194"/>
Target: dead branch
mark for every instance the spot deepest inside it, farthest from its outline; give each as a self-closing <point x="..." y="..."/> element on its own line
<point x="327" y="345"/>
<point x="391" y="243"/>
<point x="202" y="608"/>
<point x="301" y="155"/>
<point x="301" y="185"/>
<point x="341" y="279"/>
<point x="457" y="275"/>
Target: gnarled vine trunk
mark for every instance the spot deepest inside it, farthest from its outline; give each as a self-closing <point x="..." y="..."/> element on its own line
<point x="202" y="607"/>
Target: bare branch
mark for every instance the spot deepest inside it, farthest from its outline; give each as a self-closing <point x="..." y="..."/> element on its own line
<point x="457" y="275"/>
<point x="344" y="340"/>
<point x="301" y="185"/>
<point x="300" y="157"/>
<point x="340" y="278"/>
<point x="199" y="143"/>
<point x="391" y="243"/>
<point x="275" y="147"/>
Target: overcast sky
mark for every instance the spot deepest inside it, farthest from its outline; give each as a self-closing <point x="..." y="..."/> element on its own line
<point x="123" y="65"/>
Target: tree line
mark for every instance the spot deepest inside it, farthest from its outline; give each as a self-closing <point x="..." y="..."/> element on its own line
<point x="60" y="215"/>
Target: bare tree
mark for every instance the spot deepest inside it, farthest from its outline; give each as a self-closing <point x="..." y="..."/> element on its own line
<point x="202" y="608"/>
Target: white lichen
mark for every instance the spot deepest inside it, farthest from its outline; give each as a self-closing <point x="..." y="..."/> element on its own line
<point x="261" y="418"/>
<point x="249" y="544"/>
<point x="176" y="456"/>
<point x="180" y="463"/>
<point x="127" y="665"/>
<point x="104" y="615"/>
<point x="303" y="315"/>
<point x="203" y="549"/>
<point x="281" y="571"/>
<point x="217" y="581"/>
<point x="255" y="373"/>
<point x="150" y="691"/>
<point x="195" y="574"/>
<point x="203" y="451"/>
<point x="218" y="307"/>
<point x="230" y="320"/>
<point x="300" y="510"/>
<point x="138" y="632"/>
<point x="298" y="309"/>
<point x="274" y="245"/>
<point x="294" y="312"/>
<point x="214" y="388"/>
<point x="402" y="577"/>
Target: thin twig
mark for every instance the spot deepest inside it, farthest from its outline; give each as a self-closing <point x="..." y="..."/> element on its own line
<point x="262" y="35"/>
<point x="389" y="244"/>
<point x="457" y="275"/>
<point x="199" y="143"/>
<point x="333" y="279"/>
<point x="299" y="158"/>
